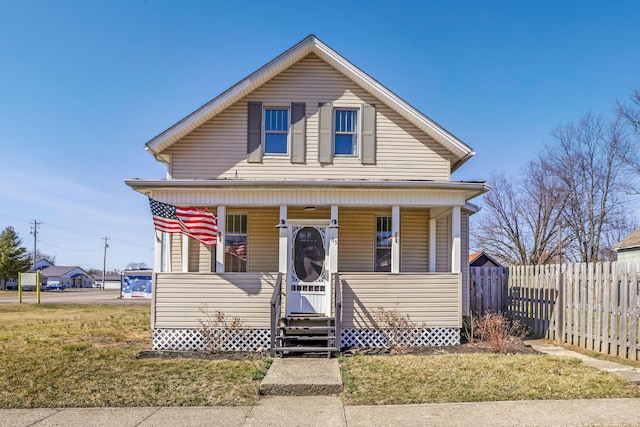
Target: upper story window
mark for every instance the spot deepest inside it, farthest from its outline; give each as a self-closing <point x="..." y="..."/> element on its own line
<point x="346" y="131"/>
<point x="276" y="130"/>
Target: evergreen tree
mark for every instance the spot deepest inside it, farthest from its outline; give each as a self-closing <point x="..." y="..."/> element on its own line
<point x="13" y="256"/>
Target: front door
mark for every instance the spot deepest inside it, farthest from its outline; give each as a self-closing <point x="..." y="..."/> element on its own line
<point x="308" y="276"/>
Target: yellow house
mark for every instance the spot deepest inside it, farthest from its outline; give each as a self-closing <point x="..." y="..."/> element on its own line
<point x="334" y="200"/>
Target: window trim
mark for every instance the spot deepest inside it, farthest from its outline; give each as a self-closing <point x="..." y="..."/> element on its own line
<point x="357" y="133"/>
<point x="375" y="242"/>
<point x="264" y="130"/>
<point x="232" y="234"/>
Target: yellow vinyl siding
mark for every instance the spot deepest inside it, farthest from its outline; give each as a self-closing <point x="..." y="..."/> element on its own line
<point x="184" y="300"/>
<point x="429" y="299"/>
<point x="217" y="149"/>
<point x="464" y="262"/>
<point x="356" y="238"/>
<point x="175" y="248"/>
<point x="263" y="239"/>
<point x="414" y="240"/>
<point x="443" y="243"/>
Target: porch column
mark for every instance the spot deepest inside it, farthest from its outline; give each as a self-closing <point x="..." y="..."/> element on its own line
<point x="283" y="241"/>
<point x="432" y="245"/>
<point x="167" y="262"/>
<point x="333" y="240"/>
<point x="222" y="231"/>
<point x="185" y="253"/>
<point x="157" y="252"/>
<point x="455" y="239"/>
<point x="395" y="240"/>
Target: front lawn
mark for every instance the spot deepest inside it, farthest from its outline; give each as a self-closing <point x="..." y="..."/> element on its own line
<point x="85" y="356"/>
<point x="386" y="380"/>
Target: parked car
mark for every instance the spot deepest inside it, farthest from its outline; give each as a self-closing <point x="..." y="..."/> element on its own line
<point x="53" y="287"/>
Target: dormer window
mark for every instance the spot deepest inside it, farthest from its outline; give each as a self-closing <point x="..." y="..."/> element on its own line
<point x="276" y="131"/>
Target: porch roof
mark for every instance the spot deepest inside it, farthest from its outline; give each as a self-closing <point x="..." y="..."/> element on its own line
<point x="464" y="189"/>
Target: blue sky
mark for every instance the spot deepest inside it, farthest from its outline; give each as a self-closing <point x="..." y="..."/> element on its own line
<point x="84" y="84"/>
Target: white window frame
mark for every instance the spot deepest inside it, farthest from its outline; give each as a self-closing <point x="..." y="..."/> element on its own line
<point x="229" y="234"/>
<point x="375" y="242"/>
<point x="264" y="130"/>
<point x="357" y="133"/>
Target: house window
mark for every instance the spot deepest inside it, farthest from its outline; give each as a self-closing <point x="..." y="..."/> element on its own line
<point x="235" y="244"/>
<point x="346" y="132"/>
<point x="276" y="130"/>
<point x="383" y="243"/>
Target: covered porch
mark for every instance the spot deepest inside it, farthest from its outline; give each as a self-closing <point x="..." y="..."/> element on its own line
<point x="338" y="250"/>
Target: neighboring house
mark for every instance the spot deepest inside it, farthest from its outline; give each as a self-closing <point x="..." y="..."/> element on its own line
<point x="628" y="249"/>
<point x="481" y="259"/>
<point x="333" y="198"/>
<point x="42" y="264"/>
<point x="69" y="277"/>
<point x="111" y="281"/>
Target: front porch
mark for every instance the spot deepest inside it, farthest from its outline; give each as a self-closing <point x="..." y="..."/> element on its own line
<point x="183" y="303"/>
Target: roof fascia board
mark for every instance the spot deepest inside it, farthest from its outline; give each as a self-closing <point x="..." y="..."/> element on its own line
<point x="389" y="98"/>
<point x="228" y="97"/>
<point x="286" y="59"/>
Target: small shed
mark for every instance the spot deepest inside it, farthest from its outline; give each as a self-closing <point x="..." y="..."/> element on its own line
<point x="481" y="259"/>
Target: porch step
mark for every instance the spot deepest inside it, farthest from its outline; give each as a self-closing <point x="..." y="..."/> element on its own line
<point x="306" y="338"/>
<point x="306" y="333"/>
<point x="308" y="328"/>
<point x="301" y="349"/>
<point x="308" y="318"/>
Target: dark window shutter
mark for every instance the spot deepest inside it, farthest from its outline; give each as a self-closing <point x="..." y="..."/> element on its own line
<point x="368" y="134"/>
<point x="325" y="133"/>
<point x="254" y="132"/>
<point x="298" y="129"/>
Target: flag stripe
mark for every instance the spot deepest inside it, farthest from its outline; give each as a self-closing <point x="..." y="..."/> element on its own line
<point x="192" y="222"/>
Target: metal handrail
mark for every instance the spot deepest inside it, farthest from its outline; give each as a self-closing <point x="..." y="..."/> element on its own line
<point x="276" y="309"/>
<point x="338" y="309"/>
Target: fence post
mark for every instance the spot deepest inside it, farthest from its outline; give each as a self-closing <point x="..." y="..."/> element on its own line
<point x="560" y="306"/>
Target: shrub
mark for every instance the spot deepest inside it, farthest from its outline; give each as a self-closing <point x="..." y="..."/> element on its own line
<point x="499" y="333"/>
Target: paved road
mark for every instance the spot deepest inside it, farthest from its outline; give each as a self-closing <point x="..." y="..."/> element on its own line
<point x="71" y="296"/>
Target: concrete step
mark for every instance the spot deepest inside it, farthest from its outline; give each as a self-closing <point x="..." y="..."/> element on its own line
<point x="305" y="349"/>
<point x="302" y="377"/>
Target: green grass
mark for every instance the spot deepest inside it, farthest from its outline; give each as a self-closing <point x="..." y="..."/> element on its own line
<point x="474" y="378"/>
<point x="85" y="356"/>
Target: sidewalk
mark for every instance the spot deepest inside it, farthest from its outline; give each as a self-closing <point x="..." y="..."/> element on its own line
<point x="330" y="411"/>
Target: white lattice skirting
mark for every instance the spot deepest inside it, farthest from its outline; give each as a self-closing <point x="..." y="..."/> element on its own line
<point x="378" y="338"/>
<point x="256" y="339"/>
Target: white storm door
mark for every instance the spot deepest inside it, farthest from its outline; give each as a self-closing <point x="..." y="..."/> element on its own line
<point x="308" y="279"/>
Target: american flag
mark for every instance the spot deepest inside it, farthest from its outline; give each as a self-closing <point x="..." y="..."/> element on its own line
<point x="200" y="225"/>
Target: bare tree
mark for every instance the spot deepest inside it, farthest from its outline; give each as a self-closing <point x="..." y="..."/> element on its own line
<point x="629" y="114"/>
<point x="521" y="217"/>
<point x="585" y="160"/>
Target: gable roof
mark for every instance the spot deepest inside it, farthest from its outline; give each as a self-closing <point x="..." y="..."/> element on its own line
<point x="477" y="255"/>
<point x="310" y="44"/>
<point x="631" y="241"/>
<point x="58" y="271"/>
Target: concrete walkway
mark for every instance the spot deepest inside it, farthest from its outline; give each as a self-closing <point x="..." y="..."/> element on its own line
<point x="330" y="411"/>
<point x="629" y="373"/>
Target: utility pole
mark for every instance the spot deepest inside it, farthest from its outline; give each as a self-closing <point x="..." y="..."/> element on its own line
<point x="34" y="231"/>
<point x="104" y="262"/>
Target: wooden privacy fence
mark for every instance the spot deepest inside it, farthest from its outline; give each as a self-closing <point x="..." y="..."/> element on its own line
<point x="489" y="290"/>
<point x="593" y="306"/>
